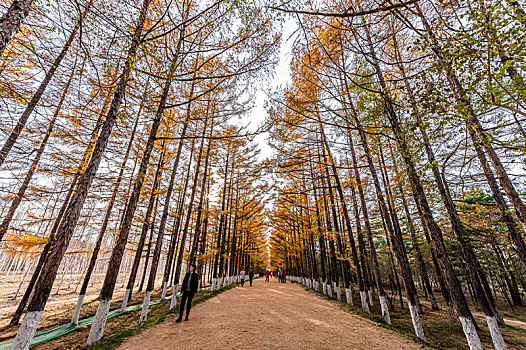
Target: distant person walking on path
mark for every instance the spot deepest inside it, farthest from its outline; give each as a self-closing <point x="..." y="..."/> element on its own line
<point x="279" y="275"/>
<point x="251" y="276"/>
<point x="267" y="274"/>
<point x="189" y="288"/>
<point x="242" y="275"/>
<point x="284" y="276"/>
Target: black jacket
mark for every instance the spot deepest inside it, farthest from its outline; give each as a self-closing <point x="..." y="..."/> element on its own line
<point x="194" y="281"/>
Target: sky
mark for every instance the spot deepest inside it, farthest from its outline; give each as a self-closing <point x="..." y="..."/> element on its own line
<point x="281" y="78"/>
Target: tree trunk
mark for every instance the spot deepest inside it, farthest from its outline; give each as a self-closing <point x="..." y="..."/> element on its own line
<point x="221" y="221"/>
<point x="22" y="305"/>
<point x="478" y="276"/>
<point x="104" y="226"/>
<point x="10" y="23"/>
<point x="188" y="216"/>
<point x="359" y="269"/>
<point x="201" y="200"/>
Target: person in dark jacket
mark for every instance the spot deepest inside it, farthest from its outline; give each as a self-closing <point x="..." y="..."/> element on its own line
<point x="189" y="288"/>
<point x="251" y="276"/>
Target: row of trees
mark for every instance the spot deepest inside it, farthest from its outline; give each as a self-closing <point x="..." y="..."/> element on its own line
<point x="121" y="138"/>
<point x="396" y="145"/>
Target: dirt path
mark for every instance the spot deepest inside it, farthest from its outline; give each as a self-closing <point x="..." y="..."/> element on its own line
<point x="269" y="316"/>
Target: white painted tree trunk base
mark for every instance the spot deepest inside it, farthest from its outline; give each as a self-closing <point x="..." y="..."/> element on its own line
<point x="78" y="307"/>
<point x="471" y="333"/>
<point x="496" y="336"/>
<point x="385" y="309"/>
<point x="173" y="302"/>
<point x="339" y="293"/>
<point x="145" y="307"/>
<point x="213" y="286"/>
<point x="324" y="288"/>
<point x="417" y="325"/>
<point x="165" y="287"/>
<point x="329" y="290"/>
<point x="27" y="330"/>
<point x="348" y="296"/>
<point x="363" y="299"/>
<point x="370" y="297"/>
<point x="125" y="300"/>
<point x="96" y="331"/>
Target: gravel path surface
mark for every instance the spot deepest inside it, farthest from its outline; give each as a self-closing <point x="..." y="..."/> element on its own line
<point x="268" y="316"/>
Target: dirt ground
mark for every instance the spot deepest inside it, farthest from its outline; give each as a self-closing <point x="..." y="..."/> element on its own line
<point x="269" y="316"/>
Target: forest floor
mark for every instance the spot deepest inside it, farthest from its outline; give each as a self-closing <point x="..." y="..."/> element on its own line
<point x="439" y="332"/>
<point x="269" y="316"/>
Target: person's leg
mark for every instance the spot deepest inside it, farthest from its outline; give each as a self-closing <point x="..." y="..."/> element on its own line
<point x="181" y="306"/>
<point x="188" y="305"/>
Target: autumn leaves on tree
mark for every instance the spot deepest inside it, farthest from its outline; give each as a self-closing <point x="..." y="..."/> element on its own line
<point x="395" y="178"/>
<point x="137" y="129"/>
<point x="386" y="109"/>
